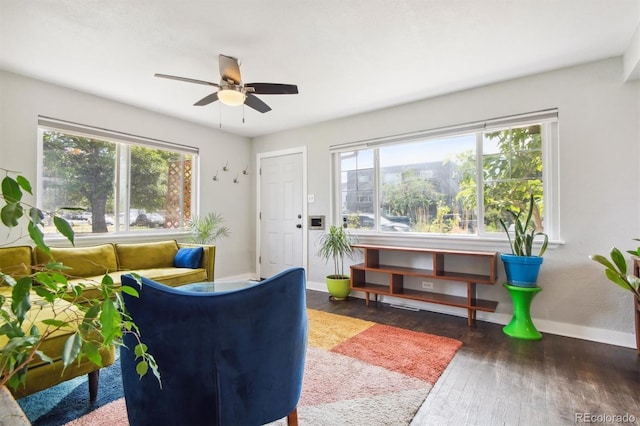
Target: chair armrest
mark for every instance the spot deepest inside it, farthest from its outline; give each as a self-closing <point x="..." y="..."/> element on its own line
<point x="208" y="257"/>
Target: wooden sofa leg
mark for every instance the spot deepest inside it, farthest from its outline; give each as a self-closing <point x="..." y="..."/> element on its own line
<point x="292" y="417"/>
<point x="93" y="385"/>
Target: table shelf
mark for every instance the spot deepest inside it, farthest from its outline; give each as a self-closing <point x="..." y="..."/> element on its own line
<point x="484" y="265"/>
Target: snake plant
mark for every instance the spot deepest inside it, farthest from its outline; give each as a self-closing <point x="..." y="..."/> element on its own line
<point x="525" y="232"/>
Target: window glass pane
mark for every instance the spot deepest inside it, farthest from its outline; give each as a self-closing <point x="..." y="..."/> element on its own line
<point x="421" y="183"/>
<point x="459" y="184"/>
<point x="151" y="191"/>
<point x="78" y="172"/>
<point x="357" y="189"/>
<point x="160" y="191"/>
<point x="512" y="169"/>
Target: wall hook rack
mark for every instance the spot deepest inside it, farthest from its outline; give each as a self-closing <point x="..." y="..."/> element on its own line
<point x="236" y="180"/>
<point x="225" y="168"/>
<point x="245" y="171"/>
<point x="215" y="177"/>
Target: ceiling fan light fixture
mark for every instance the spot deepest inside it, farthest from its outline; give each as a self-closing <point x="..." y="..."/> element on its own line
<point x="231" y="91"/>
<point x="231" y="96"/>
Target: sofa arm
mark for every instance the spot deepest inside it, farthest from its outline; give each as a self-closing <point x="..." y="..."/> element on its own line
<point x="208" y="257"/>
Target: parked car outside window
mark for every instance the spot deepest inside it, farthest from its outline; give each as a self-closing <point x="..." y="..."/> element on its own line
<point x="368" y="221"/>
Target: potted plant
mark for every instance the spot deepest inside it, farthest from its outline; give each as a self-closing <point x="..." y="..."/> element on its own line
<point x="336" y="245"/>
<point x="95" y="324"/>
<point x="616" y="272"/>
<point x="207" y="229"/>
<point x="522" y="265"/>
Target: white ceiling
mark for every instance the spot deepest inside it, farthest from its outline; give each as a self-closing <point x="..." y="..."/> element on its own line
<point x="346" y="56"/>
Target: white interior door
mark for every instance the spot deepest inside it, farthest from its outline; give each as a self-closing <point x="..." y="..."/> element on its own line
<point x="282" y="214"/>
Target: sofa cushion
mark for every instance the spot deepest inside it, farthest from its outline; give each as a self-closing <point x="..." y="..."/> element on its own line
<point x="169" y="276"/>
<point x="146" y="255"/>
<point x="91" y="287"/>
<point x="174" y="277"/>
<point x="40" y="311"/>
<point x="83" y="261"/>
<point x="188" y="258"/>
<point x="42" y="374"/>
<point x="15" y="261"/>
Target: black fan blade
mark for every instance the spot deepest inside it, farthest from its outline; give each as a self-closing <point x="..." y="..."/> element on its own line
<point x="273" y="88"/>
<point x="207" y="99"/>
<point x="229" y="68"/>
<point x="188" y="80"/>
<point x="255" y="103"/>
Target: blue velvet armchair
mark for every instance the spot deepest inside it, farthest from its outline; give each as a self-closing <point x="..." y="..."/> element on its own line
<point x="228" y="358"/>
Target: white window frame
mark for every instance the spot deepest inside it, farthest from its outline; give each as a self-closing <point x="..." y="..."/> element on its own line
<point x="62" y="126"/>
<point x="550" y="173"/>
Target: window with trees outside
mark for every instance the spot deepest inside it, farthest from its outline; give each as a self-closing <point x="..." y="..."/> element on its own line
<point x="103" y="181"/>
<point x="457" y="181"/>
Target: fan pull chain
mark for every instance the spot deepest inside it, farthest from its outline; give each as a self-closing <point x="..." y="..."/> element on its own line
<point x="220" y="116"/>
<point x="242" y="113"/>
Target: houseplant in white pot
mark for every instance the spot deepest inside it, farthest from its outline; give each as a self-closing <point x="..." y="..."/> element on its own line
<point x="335" y="245"/>
<point x="522" y="265"/>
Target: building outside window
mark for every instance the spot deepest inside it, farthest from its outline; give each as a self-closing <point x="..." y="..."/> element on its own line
<point x="102" y="181"/>
<point x="453" y="181"/>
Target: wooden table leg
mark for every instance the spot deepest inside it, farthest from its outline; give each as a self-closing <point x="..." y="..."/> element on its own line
<point x="471" y="300"/>
<point x="93" y="378"/>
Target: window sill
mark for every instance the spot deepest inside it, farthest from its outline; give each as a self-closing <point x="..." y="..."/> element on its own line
<point x="85" y="240"/>
<point x="450" y="242"/>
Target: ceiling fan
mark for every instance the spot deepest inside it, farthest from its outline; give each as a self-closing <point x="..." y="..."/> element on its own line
<point x="232" y="92"/>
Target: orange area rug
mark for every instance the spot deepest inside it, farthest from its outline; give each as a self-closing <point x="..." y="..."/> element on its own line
<point x="356" y="372"/>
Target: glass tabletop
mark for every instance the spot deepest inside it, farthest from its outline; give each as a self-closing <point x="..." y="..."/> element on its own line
<point x="217" y="286"/>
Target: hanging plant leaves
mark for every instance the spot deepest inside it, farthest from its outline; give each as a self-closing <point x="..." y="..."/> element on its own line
<point x="24" y="184"/>
<point x="64" y="228"/>
<point x="37" y="236"/>
<point x="10" y="214"/>
<point x="11" y="190"/>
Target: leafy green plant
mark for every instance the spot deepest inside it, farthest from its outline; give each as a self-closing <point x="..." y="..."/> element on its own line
<point x="616" y="270"/>
<point x="336" y="245"/>
<point x="94" y="324"/>
<point x="525" y="231"/>
<point x="205" y="230"/>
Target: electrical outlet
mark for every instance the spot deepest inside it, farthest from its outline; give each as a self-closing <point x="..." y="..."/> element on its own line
<point x="428" y="285"/>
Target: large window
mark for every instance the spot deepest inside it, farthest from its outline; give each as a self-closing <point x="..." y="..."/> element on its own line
<point x="453" y="181"/>
<point x="103" y="181"/>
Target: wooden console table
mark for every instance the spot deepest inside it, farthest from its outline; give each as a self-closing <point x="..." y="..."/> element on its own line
<point x="484" y="265"/>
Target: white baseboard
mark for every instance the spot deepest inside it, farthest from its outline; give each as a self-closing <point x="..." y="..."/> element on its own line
<point x="593" y="334"/>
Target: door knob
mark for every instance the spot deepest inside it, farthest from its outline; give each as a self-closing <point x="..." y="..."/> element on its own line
<point x="299" y="226"/>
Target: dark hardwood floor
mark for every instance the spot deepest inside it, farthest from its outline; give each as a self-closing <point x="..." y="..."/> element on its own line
<point x="498" y="380"/>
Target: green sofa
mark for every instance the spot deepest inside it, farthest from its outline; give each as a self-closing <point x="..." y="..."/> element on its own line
<point x="152" y="260"/>
<point x="88" y="265"/>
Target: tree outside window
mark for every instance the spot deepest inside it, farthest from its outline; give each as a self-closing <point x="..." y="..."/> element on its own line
<point x="433" y="185"/>
<point x="106" y="186"/>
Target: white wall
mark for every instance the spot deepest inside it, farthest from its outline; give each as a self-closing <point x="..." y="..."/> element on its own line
<point x="599" y="180"/>
<point x="23" y="99"/>
<point x="599" y="139"/>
